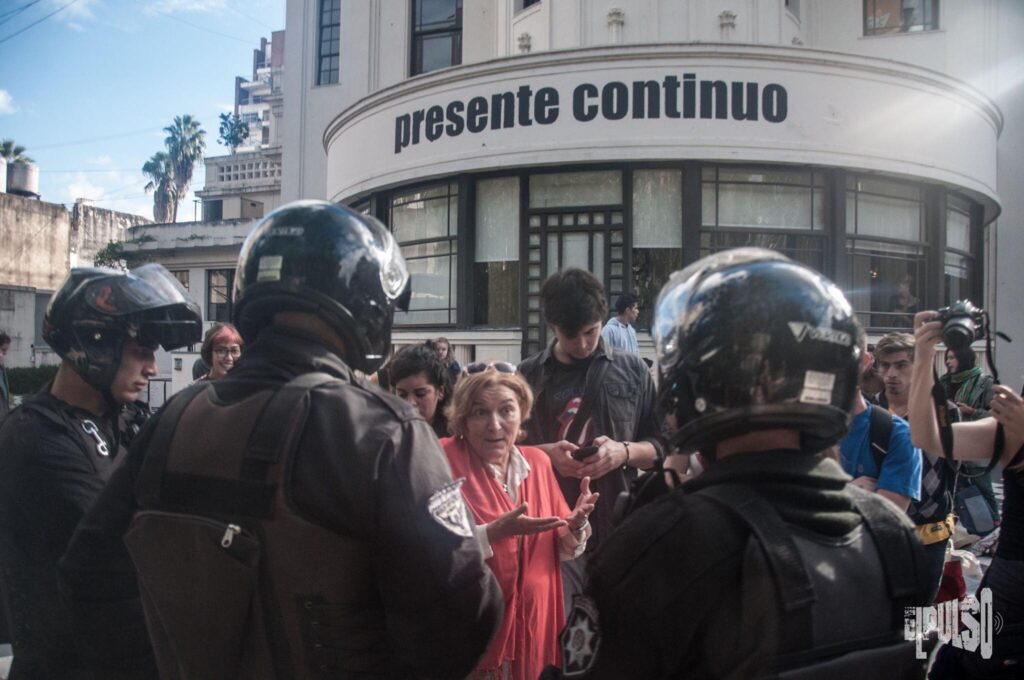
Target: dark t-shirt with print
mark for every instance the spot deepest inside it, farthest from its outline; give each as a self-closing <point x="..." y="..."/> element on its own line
<point x="561" y="401"/>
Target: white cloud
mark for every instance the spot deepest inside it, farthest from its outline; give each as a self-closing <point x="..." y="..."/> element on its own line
<point x="6" y="103"/>
<point x="171" y="6"/>
<point x="101" y="160"/>
<point x="226" y="108"/>
<point x="75" y="13"/>
<point x="81" y="187"/>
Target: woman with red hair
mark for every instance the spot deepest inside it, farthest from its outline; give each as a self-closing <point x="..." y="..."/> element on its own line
<point x="221" y="348"/>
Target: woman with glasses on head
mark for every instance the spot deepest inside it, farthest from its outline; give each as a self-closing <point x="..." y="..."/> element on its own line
<point x="222" y="345"/>
<point x="418" y="376"/>
<point x="521" y="517"/>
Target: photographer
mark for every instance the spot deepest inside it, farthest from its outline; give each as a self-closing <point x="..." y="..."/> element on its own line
<point x="974" y="441"/>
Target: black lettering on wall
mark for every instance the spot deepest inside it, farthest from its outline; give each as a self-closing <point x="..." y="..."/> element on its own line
<point x="671" y="86"/>
<point x="615" y="100"/>
<point x="401" y="133"/>
<point x="689" y="95"/>
<point x="546" y="106"/>
<point x="774" y="103"/>
<point x="744" y="108"/>
<point x="721" y="98"/>
<point x="454" y="115"/>
<point x="435" y="123"/>
<point x="503" y="111"/>
<point x="524" y="95"/>
<point x="649" y="106"/>
<point x="581" y="110"/>
<point x="476" y="114"/>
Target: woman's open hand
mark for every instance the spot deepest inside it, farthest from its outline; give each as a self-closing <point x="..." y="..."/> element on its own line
<point x="516" y="523"/>
<point x="584" y="506"/>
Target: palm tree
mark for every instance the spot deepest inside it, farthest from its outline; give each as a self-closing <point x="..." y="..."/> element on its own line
<point x="185" y="142"/>
<point x="13" y="152"/>
<point x="160" y="170"/>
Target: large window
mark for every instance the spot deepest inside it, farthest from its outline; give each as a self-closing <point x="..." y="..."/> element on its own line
<point x="219" y="283"/>
<point x="958" y="263"/>
<point x="777" y="209"/>
<point x="657" y="235"/>
<point x="885" y="245"/>
<point x="883" y="17"/>
<point x="436" y="35"/>
<point x="425" y="224"/>
<point x="329" y="44"/>
<point x="182" y="276"/>
<point x="496" y="260"/>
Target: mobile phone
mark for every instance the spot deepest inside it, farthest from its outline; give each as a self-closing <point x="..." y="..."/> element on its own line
<point x="585" y="452"/>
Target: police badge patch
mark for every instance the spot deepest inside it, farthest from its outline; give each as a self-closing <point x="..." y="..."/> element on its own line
<point x="447" y="507"/>
<point x="581" y="638"/>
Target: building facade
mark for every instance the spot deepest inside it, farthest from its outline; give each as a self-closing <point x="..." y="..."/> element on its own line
<point x="877" y="141"/>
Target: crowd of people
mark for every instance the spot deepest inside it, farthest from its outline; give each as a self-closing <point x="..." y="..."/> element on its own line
<point x="283" y="517"/>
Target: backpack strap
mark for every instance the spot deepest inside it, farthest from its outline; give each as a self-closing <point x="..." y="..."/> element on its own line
<point x="894" y="548"/>
<point x="279" y="425"/>
<point x="150" y="481"/>
<point x="796" y="590"/>
<point x="879" y="433"/>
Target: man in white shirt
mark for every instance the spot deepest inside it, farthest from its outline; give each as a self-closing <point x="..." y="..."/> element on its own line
<point x="618" y="332"/>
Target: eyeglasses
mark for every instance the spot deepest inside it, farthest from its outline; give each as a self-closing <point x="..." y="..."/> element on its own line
<point x="499" y="366"/>
<point x="222" y="352"/>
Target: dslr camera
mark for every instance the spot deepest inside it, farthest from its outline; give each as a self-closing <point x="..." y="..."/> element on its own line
<point x="962" y="324"/>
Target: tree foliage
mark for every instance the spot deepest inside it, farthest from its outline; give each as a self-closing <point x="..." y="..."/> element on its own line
<point x="14" y="153"/>
<point x="112" y="256"/>
<point x="185" y="142"/>
<point x="160" y="171"/>
<point x="170" y="171"/>
<point x="233" y="130"/>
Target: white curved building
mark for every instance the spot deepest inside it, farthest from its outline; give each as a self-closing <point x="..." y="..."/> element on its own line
<point x="876" y="140"/>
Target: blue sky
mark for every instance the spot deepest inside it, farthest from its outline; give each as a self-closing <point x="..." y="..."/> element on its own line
<point x="89" y="90"/>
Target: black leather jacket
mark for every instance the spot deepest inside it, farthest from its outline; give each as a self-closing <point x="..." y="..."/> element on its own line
<point x="364" y="470"/>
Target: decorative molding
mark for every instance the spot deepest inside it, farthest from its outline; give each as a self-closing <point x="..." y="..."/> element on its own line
<point x="525" y="42"/>
<point x="616" y="20"/>
<point x="727" y="19"/>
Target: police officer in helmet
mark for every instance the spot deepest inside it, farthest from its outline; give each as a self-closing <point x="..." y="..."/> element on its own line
<point x="768" y="564"/>
<point x="60" y="446"/>
<point x="324" y="534"/>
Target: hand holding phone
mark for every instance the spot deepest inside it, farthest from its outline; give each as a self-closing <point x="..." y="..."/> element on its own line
<point x="584" y="452"/>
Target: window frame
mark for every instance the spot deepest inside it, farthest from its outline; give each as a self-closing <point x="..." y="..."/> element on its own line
<point x="453" y="189"/>
<point x="930" y="11"/>
<point x="330" y="75"/>
<point x="229" y="305"/>
<point x="416" y="37"/>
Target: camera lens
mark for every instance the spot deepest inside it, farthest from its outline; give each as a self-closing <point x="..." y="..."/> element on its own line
<point x="958" y="333"/>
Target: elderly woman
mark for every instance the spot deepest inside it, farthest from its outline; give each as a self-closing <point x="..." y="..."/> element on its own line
<point x="222" y="345"/>
<point x="418" y="376"/>
<point x="502" y="484"/>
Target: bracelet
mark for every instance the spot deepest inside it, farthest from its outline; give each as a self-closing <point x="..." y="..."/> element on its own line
<point x="626" y="444"/>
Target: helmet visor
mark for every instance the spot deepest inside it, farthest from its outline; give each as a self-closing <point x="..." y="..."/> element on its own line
<point x="169" y="334"/>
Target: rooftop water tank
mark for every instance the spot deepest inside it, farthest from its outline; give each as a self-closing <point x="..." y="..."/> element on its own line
<point x="23" y="179"/>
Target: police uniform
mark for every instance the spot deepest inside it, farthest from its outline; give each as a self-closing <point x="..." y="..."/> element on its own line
<point x="54" y="461"/>
<point x="766" y="565"/>
<point x="290" y="520"/>
<point x="682" y="589"/>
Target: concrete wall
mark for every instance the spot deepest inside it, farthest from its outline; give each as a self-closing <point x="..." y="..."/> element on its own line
<point x="40" y="241"/>
<point x="93" y="228"/>
<point x="34" y="242"/>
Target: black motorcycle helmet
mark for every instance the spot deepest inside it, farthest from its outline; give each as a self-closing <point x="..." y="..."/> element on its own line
<point x="749" y="340"/>
<point x="326" y="260"/>
<point x="95" y="309"/>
